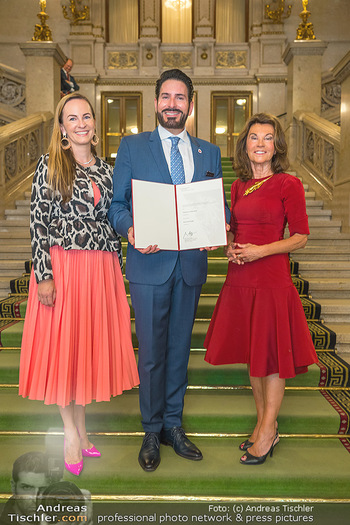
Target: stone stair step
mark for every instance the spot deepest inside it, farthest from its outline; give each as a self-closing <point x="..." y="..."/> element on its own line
<point x="206" y="306"/>
<point x="11" y="274"/>
<point x="4" y="287"/>
<point x="11" y="268"/>
<point x="329" y="287"/>
<point x="313" y="203"/>
<point x="308" y="269"/>
<point x="199" y="372"/>
<point x="310" y="195"/>
<point x="15" y="235"/>
<point x="12" y="264"/>
<point x="335" y="310"/>
<point x="342" y="330"/>
<point x="18" y="213"/>
<point x="24" y="202"/>
<point x="213" y="284"/>
<point x="330" y="238"/>
<point x="19" y="222"/>
<point x="9" y="252"/>
<point x="323" y="222"/>
<point x="301" y="470"/>
<point x="317" y="228"/>
<point x="14" y="240"/>
<point x="217" y="265"/>
<point x="314" y="252"/>
<point x="343" y="336"/>
<point x="317" y="212"/>
<point x="205" y="410"/>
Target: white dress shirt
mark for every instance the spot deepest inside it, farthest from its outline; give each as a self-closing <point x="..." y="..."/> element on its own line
<point x="185" y="149"/>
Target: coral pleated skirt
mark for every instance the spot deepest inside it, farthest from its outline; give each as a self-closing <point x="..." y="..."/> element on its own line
<point x="79" y="350"/>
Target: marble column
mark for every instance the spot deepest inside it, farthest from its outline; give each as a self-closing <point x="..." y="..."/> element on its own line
<point x="304" y="61"/>
<point x="43" y="75"/>
<point x="304" y="83"/>
<point x="149" y="42"/>
<point x="203" y="37"/>
<point x="341" y="193"/>
<point x="342" y="73"/>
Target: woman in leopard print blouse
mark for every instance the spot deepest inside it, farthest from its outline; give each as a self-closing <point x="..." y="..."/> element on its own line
<point x="76" y="344"/>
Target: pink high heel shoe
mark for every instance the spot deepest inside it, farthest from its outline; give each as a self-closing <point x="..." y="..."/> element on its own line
<point x="74" y="468"/>
<point x="91" y="452"/>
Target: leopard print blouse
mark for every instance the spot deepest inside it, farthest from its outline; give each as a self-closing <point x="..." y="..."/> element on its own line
<point x="74" y="225"/>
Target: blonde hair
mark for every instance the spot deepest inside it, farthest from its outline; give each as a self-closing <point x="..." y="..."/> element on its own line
<point x="61" y="163"/>
<point x="279" y="161"/>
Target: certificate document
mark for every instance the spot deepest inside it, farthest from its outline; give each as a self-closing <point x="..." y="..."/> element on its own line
<point x="182" y="217"/>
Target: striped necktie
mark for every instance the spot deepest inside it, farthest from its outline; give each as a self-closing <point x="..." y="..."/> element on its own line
<point x="177" y="171"/>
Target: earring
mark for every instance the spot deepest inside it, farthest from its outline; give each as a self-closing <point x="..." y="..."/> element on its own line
<point x="65" y="144"/>
<point x="95" y="140"/>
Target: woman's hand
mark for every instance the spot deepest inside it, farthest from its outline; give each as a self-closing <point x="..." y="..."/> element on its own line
<point x="244" y="253"/>
<point x="47" y="292"/>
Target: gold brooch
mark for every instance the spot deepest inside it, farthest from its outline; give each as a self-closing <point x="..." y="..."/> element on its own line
<point x="256" y="186"/>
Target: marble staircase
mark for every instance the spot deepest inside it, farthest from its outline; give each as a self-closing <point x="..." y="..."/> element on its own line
<point x="14" y="243"/>
<point x="312" y="460"/>
<point x="324" y="262"/>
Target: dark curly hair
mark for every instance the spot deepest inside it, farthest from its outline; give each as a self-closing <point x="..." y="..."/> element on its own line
<point x="279" y="161"/>
<point x="175" y="74"/>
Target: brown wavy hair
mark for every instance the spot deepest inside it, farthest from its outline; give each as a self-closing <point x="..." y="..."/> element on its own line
<point x="61" y="163"/>
<point x="279" y="161"/>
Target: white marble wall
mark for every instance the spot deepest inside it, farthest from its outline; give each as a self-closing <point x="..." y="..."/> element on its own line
<point x="264" y="74"/>
<point x="331" y="21"/>
<point x="18" y="18"/>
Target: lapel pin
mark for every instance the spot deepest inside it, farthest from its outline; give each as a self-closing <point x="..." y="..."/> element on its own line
<point x="199" y="150"/>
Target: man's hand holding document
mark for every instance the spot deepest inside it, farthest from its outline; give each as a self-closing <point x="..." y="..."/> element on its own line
<point x="179" y="217"/>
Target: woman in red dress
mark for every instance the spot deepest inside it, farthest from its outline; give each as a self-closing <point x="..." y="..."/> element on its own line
<point x="259" y="319"/>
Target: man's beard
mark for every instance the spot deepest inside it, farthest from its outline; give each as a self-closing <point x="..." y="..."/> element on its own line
<point x="172" y="122"/>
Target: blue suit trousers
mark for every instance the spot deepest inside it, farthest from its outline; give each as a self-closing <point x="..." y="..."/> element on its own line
<point x="164" y="320"/>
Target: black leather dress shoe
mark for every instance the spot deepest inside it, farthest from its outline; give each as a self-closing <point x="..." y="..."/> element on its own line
<point x="176" y="437"/>
<point x="149" y="456"/>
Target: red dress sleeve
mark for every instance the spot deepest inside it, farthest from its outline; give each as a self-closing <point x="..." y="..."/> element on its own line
<point x="293" y="198"/>
<point x="234" y="189"/>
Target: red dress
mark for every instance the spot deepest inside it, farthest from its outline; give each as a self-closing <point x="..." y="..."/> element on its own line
<point x="259" y="318"/>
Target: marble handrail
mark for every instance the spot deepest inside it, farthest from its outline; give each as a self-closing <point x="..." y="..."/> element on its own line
<point x="21" y="144"/>
<point x="318" y="147"/>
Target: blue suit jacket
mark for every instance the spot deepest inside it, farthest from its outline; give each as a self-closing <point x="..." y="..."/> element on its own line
<point x="141" y="157"/>
<point x="65" y="87"/>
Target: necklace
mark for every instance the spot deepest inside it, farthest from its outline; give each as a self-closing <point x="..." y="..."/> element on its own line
<point x="85" y="163"/>
<point x="255" y="186"/>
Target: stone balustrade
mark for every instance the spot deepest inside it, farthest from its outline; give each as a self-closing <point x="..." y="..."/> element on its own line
<point x="318" y="148"/>
<point x="21" y="144"/>
<point x="12" y="94"/>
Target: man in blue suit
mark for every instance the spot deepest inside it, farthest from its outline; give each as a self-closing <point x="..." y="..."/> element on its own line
<point x="164" y="285"/>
